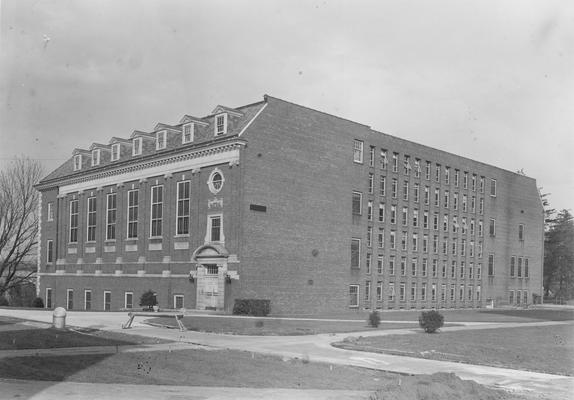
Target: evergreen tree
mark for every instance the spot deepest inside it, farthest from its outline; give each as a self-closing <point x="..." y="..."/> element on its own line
<point x="559" y="256"/>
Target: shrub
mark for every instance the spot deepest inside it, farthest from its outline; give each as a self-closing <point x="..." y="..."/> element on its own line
<point x="38" y="303"/>
<point x="430" y="321"/>
<point x="148" y="299"/>
<point x="4" y="301"/>
<point x="255" y="307"/>
<point x="374" y="319"/>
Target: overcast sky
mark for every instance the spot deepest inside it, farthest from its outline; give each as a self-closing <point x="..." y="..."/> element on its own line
<point x="489" y="80"/>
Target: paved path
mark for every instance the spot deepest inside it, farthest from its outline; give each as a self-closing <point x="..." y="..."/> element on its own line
<point x="318" y="348"/>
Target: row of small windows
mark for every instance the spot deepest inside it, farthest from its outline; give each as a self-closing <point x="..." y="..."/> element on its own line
<point x="521" y="297"/>
<point x="356" y="259"/>
<point x="465" y="292"/>
<point x="476" y="182"/>
<point x="445" y="270"/>
<point x="519" y="267"/>
<point x="456" y="202"/>
<point x="160" y="137"/>
<point x="178" y="300"/>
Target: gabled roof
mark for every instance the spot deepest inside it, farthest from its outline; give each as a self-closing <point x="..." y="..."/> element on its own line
<point x="161" y="126"/>
<point x="143" y="134"/>
<point x="222" y="109"/>
<point x="81" y="151"/>
<point x="188" y="118"/>
<point x="99" y="146"/>
<point x="119" y="140"/>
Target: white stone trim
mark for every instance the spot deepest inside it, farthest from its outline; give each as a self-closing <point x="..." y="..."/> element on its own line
<point x="252" y="119"/>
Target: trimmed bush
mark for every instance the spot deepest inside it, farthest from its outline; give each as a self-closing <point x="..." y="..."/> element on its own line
<point x="430" y="321"/>
<point x="374" y="319"/>
<point x="148" y="299"/>
<point x="255" y="307"/>
<point x="4" y="302"/>
<point x="38" y="303"/>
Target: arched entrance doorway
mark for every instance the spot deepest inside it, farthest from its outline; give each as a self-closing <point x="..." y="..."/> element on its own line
<point x="211" y="262"/>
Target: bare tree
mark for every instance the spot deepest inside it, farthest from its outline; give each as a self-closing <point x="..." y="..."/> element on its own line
<point x="18" y="220"/>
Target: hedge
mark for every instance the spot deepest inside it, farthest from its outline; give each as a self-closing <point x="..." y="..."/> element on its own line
<point x="255" y="307"/>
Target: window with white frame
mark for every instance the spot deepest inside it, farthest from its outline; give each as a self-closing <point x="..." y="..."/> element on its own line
<point x="92" y="220"/>
<point x="369" y="236"/>
<point x="433" y="292"/>
<point x="424" y="267"/>
<point x="48" y="302"/>
<point x="427" y="195"/>
<point x="77" y="162"/>
<point x="402" y="290"/>
<point x="395" y="162"/>
<point x="491" y="265"/>
<point x="417" y="168"/>
<point x="444" y="269"/>
<point x="221" y="124"/>
<point x="371" y="183"/>
<point x="493" y="187"/>
<point x="160" y="140"/>
<point x="492" y="227"/>
<point x="372" y="156"/>
<point x="95" y="157"/>
<point x="368" y="262"/>
<point x="405" y="216"/>
<point x="407" y="165"/>
<point x="455" y="201"/>
<point x="367" y="292"/>
<point x="403" y="266"/>
<point x="49" y="251"/>
<point x="393" y="214"/>
<point x="353" y="296"/>
<point x="393" y="240"/>
<point x="414" y="263"/>
<point x="392" y="265"/>
<point x="70" y="299"/>
<point x="215" y="228"/>
<point x="379" y="291"/>
<point x="447" y="175"/>
<point x="381" y="212"/>
<point x="111" y="216"/>
<point x="415" y="242"/>
<point x="437" y="197"/>
<point x="413" y="291"/>
<point x="116" y="151"/>
<point x="526" y="271"/>
<point x="381" y="239"/>
<point x="137" y="146"/>
<point x="358" y="151"/>
<point x="473" y="183"/>
<point x="435" y="218"/>
<point x="465" y="180"/>
<point x="446" y="199"/>
<point x="87" y="299"/>
<point x="391" y="291"/>
<point x="183" y="207"/>
<point x="380" y="266"/>
<point x="513" y="266"/>
<point x="443" y="292"/>
<point x="178" y="301"/>
<point x="473" y="204"/>
<point x="50" y="211"/>
<point x="133" y="208"/>
<point x="405" y="190"/>
<point x="74" y="221"/>
<point x="481" y="206"/>
<point x="129" y="300"/>
<point x="437" y="173"/>
<point x="384" y="159"/>
<point x="415" y="218"/>
<point x="404" y="241"/>
<point x="520" y="231"/>
<point x="424" y="292"/>
<point x="107" y="300"/>
<point x="427" y="170"/>
<point x="357" y="203"/>
<point x="355" y="253"/>
<point x="456" y="177"/>
<point x="416" y="192"/>
<point x="156" y="211"/>
<point x="188" y="133"/>
<point x="394" y="188"/>
<point x="452" y="292"/>
<point x="425" y="243"/>
<point x="382" y="188"/>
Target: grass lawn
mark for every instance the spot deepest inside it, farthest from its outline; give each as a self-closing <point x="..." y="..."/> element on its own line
<point x="55" y="338"/>
<point x="547" y="349"/>
<point x="273" y="326"/>
<point x="239" y="369"/>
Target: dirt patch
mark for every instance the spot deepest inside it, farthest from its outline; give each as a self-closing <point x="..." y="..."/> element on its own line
<point x="443" y="386"/>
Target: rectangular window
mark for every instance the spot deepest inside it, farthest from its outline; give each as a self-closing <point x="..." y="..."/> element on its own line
<point x="446" y="199"/>
<point x="369" y="236"/>
<point x="393" y="214"/>
<point x="178" y="301"/>
<point x="133" y="205"/>
<point x="479" y="250"/>
<point x="413" y="291"/>
<point x="471" y="270"/>
<point x="404" y="241"/>
<point x="381" y="239"/>
<point x="379" y="291"/>
<point x="424" y="292"/>
<point x="221" y="127"/>
<point x="403" y="266"/>
<point x="424" y="266"/>
<point x="156" y="211"/>
<point x="391" y="265"/>
<point x="407" y="165"/>
<point x="50" y="211"/>
<point x="91" y="219"/>
<point x="380" y="265"/>
<point x="491" y="265"/>
<point x="137" y="146"/>
<point x="370" y="210"/>
<point x="395" y="162"/>
<point x="473" y="183"/>
<point x="355" y="253"/>
<point x="111" y="215"/>
<point x="95" y="157"/>
<point x="481" y="186"/>
<point x="478" y="293"/>
<point x="77" y="162"/>
<point x="512" y="266"/>
<point x="453" y="269"/>
<point x="493" y="187"/>
<point x="427" y="170"/>
<point x="433" y="292"/>
<point x="511" y="297"/>
<point x="425" y="243"/>
<point x="518" y="296"/>
<point x="435" y="244"/>
<point x="461" y="293"/>
<point x="465" y="180"/>
<point x="49" y="251"/>
<point x="445" y="245"/>
<point x="492" y="227"/>
<point x="416" y="192"/>
<point x="160" y="140"/>
<point x="425" y="219"/>
<point x="481" y="206"/>
<point x="415" y="242"/>
<point x="443" y="292"/>
<point x="526" y="271"/>
<point x="415" y="218"/>
<point x="384" y="160"/>
<point x="367" y="292"/>
<point x="402" y="293"/>
<point x="414" y="263"/>
<point x="434" y="268"/>
<point x="129" y="300"/>
<point x="463" y="247"/>
<point x="371" y="183"/>
<point x="368" y="261"/>
<point x="447" y="175"/>
<point x="452" y="290"/>
<point x="87" y="299"/>
<point x="456" y="177"/>
<point x="455" y="201"/>
<point x="391" y="291"/>
<point x="525" y="296"/>
<point x="48" y="297"/>
<point x="73" y="221"/>
<point x="116" y="151"/>
<point x="437" y="173"/>
<point x="435" y="221"/>
<point x="417" y="168"/>
<point x="405" y="216"/>
<point x="353" y="296"/>
<point x="357" y="203"/>
<point x="437" y="197"/>
<point x="471" y="249"/>
<point x="183" y="207"/>
<point x="381" y="212"/>
<point x="107" y="300"/>
<point x="394" y="188"/>
<point x="405" y="190"/>
<point x="473" y="204"/>
<point x="519" y="269"/>
<point x="427" y="195"/>
<point x="461" y="276"/>
<point x="521" y="232"/>
<point x="215" y="228"/>
<point x="382" y="186"/>
<point x="358" y="151"/>
<point x="444" y="269"/>
<point x="188" y="133"/>
<point x="70" y="299"/>
<point x="372" y="156"/>
<point x="393" y="240"/>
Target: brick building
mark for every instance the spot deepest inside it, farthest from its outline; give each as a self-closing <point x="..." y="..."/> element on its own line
<point x="277" y="201"/>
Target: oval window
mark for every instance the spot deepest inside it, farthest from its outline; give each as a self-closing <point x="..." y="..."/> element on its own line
<point x="215" y="181"/>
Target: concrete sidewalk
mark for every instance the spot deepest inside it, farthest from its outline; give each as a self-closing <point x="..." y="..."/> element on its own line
<point x="318" y="348"/>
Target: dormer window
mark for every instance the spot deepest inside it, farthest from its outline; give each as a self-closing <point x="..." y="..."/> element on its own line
<point x="77" y="162"/>
<point x="95" y="157"/>
<point x="137" y="146"/>
<point x="115" y="152"/>
<point x="187" y="135"/>
<point x="160" y="140"/>
<point x="220" y="124"/>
